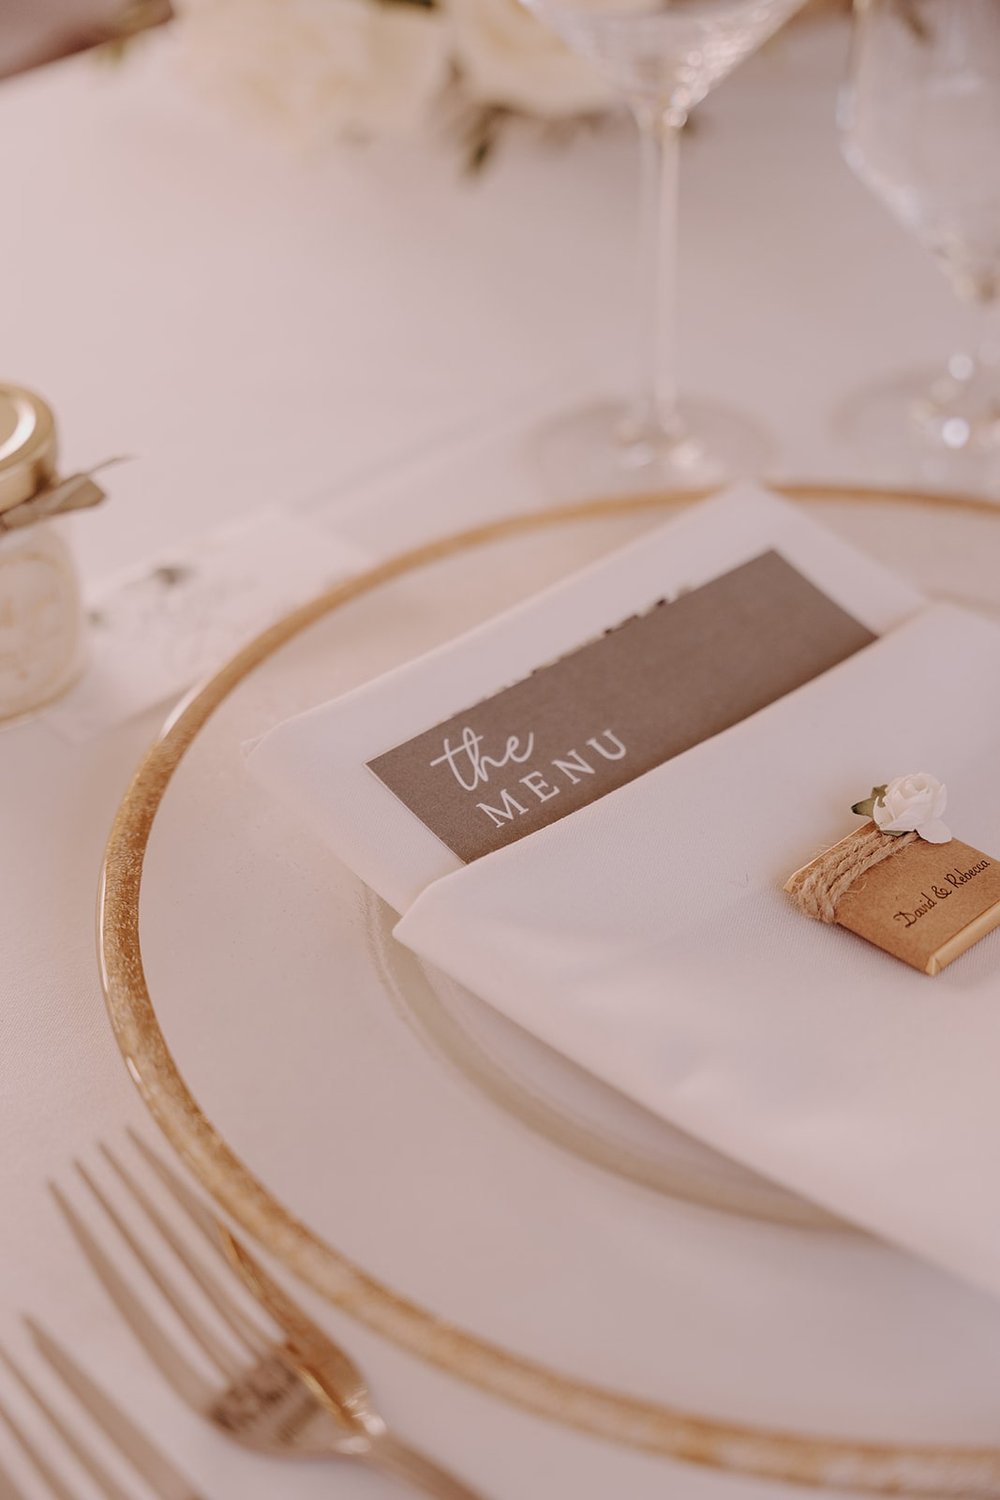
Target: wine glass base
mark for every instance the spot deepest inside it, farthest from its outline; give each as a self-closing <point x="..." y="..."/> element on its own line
<point x="596" y="450"/>
<point x="926" y="425"/>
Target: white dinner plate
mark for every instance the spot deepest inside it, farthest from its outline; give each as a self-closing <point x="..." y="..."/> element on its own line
<point x="447" y="1178"/>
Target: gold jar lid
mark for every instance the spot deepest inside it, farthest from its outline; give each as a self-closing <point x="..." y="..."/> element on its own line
<point x="27" y="445"/>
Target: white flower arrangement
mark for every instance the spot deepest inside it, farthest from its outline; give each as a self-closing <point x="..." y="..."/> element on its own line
<point x="324" y="69"/>
<point x="909" y="804"/>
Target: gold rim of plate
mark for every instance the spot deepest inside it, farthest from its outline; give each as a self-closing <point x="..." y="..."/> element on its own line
<point x="877" y="1468"/>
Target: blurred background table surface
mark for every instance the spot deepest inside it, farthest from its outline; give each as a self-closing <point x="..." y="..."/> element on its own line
<point x="257" y="328"/>
<point x="261" y="327"/>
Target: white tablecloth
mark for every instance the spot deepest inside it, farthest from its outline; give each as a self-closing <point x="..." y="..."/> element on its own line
<point x="261" y="329"/>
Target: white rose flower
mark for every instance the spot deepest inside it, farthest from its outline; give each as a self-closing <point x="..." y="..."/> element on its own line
<point x="320" y="68"/>
<point x="913" y="803"/>
<point x="507" y="57"/>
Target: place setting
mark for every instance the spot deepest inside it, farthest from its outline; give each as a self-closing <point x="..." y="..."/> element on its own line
<point x="548" y="886"/>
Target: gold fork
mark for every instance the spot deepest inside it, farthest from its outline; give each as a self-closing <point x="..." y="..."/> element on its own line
<point x="282" y="1386"/>
<point x="162" y="1477"/>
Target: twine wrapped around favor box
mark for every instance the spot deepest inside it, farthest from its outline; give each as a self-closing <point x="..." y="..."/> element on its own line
<point x="817" y="889"/>
<point x="924" y="908"/>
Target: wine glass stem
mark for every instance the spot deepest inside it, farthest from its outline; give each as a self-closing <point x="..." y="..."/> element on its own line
<point x="655" y="414"/>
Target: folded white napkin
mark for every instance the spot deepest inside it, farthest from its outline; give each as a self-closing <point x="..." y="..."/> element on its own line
<point x="647" y="935"/>
<point x="317" y="762"/>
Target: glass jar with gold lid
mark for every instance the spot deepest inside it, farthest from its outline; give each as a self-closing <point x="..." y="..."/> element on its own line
<point x="41" y="622"/>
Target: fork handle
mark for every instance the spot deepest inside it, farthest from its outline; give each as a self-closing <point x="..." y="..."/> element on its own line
<point x="400" y="1461"/>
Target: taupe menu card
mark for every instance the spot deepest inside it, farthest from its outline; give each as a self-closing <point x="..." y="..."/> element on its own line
<point x="618" y="706"/>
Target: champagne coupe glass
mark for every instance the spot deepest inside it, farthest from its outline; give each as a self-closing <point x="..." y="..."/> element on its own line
<point x="663" y="57"/>
<point x="920" y="122"/>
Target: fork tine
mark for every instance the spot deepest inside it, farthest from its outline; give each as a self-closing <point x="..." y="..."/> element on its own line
<point x="171" y="1364"/>
<point x="292" y="1319"/>
<point x="243" y="1326"/>
<point x="87" y="1460"/>
<point x="201" y="1217"/>
<point x="224" y="1362"/>
<point x="34" y="1455"/>
<point x="166" y="1482"/>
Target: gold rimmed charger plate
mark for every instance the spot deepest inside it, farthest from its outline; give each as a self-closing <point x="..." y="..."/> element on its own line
<point x="887" y="1468"/>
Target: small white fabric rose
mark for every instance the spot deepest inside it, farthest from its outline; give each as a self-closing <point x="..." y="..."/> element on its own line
<point x="509" y="58"/>
<point x="320" y="68"/>
<point x="913" y="803"/>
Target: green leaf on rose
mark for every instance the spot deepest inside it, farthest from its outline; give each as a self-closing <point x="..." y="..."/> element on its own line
<point x="866" y="809"/>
